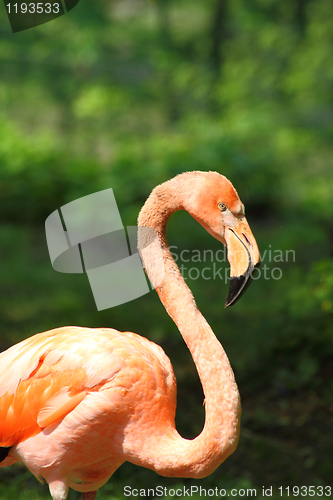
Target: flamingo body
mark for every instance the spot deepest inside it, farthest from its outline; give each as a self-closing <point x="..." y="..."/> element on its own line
<point x="75" y="403"/>
<point x="89" y="386"/>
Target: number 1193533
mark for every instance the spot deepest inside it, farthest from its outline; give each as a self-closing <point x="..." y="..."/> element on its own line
<point x="32" y="8"/>
<point x="304" y="491"/>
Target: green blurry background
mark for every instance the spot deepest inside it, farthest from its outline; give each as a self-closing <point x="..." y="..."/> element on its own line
<point x="128" y="93"/>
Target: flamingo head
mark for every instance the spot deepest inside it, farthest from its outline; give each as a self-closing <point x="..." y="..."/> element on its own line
<point x="215" y="204"/>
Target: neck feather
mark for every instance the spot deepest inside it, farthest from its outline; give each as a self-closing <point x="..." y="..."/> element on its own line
<point x="199" y="457"/>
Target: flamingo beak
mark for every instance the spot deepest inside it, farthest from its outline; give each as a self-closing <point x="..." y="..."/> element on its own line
<point x="244" y="259"/>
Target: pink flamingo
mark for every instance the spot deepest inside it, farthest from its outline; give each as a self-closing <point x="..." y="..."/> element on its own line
<point x="75" y="403"/>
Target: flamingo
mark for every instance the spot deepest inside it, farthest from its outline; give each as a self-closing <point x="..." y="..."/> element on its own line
<point x="76" y="403"/>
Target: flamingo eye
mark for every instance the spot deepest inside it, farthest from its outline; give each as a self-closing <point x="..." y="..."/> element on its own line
<point x="222" y="206"/>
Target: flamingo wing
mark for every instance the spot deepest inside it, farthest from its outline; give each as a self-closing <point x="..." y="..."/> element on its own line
<point x="45" y="377"/>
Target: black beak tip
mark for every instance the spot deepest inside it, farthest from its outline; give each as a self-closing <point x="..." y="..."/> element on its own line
<point x="238" y="285"/>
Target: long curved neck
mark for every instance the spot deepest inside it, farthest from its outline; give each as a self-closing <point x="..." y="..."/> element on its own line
<point x="199" y="457"/>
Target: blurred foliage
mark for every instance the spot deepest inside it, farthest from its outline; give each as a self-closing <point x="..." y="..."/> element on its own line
<point x="128" y="93"/>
